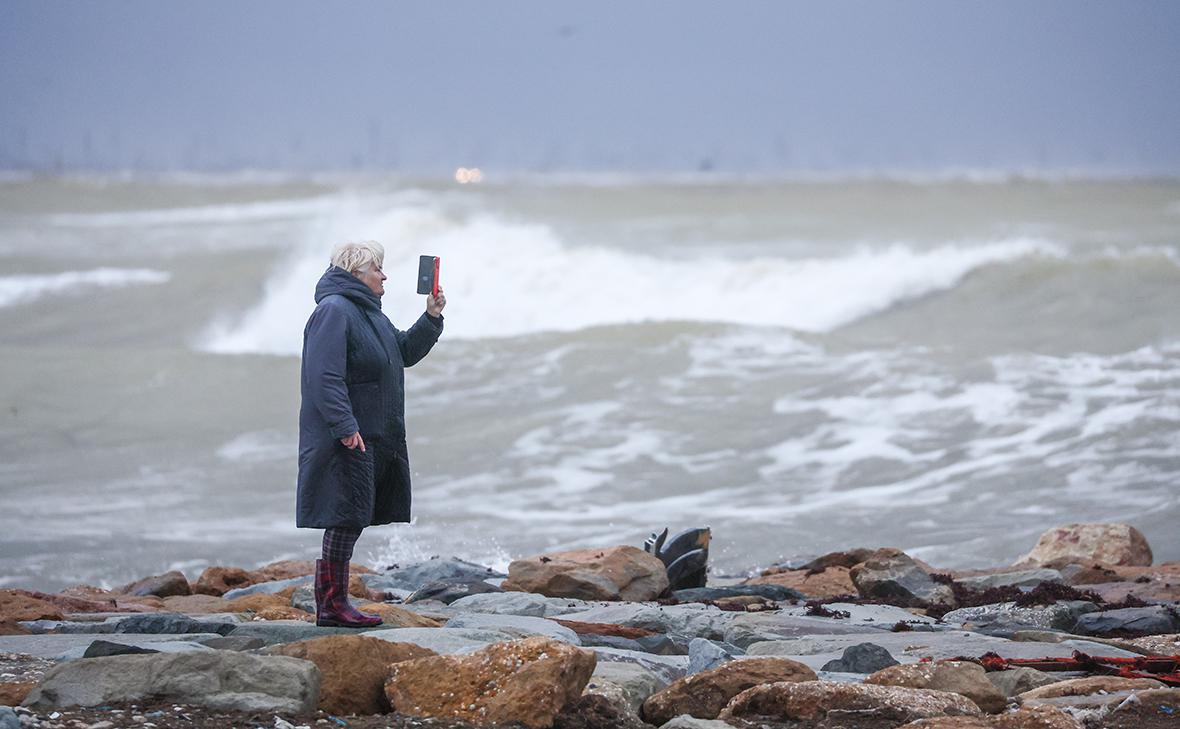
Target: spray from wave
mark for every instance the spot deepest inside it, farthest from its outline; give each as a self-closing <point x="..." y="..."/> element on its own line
<point x="26" y="288"/>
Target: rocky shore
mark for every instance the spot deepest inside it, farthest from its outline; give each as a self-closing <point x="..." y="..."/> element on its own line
<point x="1083" y="632"/>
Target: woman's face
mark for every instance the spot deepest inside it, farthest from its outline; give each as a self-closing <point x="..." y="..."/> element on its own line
<point x="373" y="277"/>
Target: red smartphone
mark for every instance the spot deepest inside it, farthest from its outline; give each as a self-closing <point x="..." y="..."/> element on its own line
<point x="428" y="275"/>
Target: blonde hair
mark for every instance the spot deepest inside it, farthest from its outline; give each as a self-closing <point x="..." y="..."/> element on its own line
<point x="353" y="257"/>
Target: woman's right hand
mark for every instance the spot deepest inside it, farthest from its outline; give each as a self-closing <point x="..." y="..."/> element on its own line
<point x="354" y="441"/>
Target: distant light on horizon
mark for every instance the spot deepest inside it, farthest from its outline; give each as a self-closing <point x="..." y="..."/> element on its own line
<point x="465" y="175"/>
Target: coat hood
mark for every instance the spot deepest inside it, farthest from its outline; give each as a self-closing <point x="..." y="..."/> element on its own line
<point x="338" y="281"/>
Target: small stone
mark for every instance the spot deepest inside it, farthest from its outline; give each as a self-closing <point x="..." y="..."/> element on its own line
<point x="861" y="658"/>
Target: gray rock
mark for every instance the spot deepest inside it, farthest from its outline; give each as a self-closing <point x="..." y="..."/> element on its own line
<point x="692" y="621"/>
<point x="519" y="626"/>
<point x="893" y="574"/>
<point x="861" y="658"/>
<point x="1005" y="619"/>
<point x="869" y="616"/>
<point x="635" y="683"/>
<point x="666" y="668"/>
<point x="268" y="588"/>
<point x="1022" y="578"/>
<point x="271" y="632"/>
<point x="443" y="640"/>
<point x="1018" y="680"/>
<point x="172" y="646"/>
<point x="1129" y="622"/>
<point x="102" y="648"/>
<point x="233" y="643"/>
<point x="748" y="629"/>
<point x="658" y="644"/>
<point x="414" y="576"/>
<point x="684" y="721"/>
<point x="520" y="603"/>
<point x="777" y="593"/>
<point x="70" y="647"/>
<point x="449" y="591"/>
<point x="8" y="718"/>
<point x="222" y="680"/>
<point x="88" y="627"/>
<point x="172" y="624"/>
<point x="705" y="654"/>
<point x="304" y="599"/>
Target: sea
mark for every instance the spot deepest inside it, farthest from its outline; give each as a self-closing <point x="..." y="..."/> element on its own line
<point x="949" y="364"/>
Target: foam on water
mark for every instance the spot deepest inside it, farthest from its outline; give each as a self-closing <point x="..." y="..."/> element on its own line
<point x="26" y="288"/>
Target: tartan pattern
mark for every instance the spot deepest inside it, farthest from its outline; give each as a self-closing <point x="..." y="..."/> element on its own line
<point x="339" y="543"/>
<point x="332" y="606"/>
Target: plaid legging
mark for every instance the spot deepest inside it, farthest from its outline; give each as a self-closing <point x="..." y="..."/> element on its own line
<point x="338" y="544"/>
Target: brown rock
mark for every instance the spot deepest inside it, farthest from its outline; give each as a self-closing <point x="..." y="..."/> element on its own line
<point x="19" y="605"/>
<point x="848" y="559"/>
<point x="12" y="694"/>
<point x="12" y="627"/>
<point x="286" y="569"/>
<point x="353" y="668"/>
<point x="396" y="617"/>
<point x="892" y="574"/>
<point x="530" y="681"/>
<point x="813" y="700"/>
<point x="620" y="631"/>
<point x="1090" y="544"/>
<point x="956" y="677"/>
<point x="705" y="694"/>
<point x="832" y="582"/>
<point x="196" y="604"/>
<point x="614" y="573"/>
<point x="283" y="613"/>
<point x="255" y="603"/>
<point x="1089" y="685"/>
<point x="165" y="585"/>
<point x="1040" y="717"/>
<point x="220" y="580"/>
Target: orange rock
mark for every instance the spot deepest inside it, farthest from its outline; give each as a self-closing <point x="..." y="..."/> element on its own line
<point x="283" y="613"/>
<point x="529" y="681"/>
<point x="284" y="570"/>
<point x="220" y="580"/>
<point x="16" y="605"/>
<point x="12" y="694"/>
<point x="1090" y="544"/>
<point x="165" y="585"/>
<point x="396" y="617"/>
<point x="620" y="631"/>
<point x="354" y="668"/>
<point x="705" y="694"/>
<point x="254" y="603"/>
<point x="614" y="573"/>
<point x="957" y="677"/>
<point x="832" y="582"/>
<point x="196" y="604"/>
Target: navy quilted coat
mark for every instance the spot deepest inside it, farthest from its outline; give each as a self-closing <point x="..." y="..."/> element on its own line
<point x="353" y="380"/>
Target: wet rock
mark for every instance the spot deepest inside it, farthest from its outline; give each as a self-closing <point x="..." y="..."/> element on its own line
<point x="520" y="603"/>
<point x="1129" y="622"/>
<point x="518" y="626"/>
<point x="1089" y="685"/>
<point x="101" y="648"/>
<point x="413" y="576"/>
<point x="443" y="640"/>
<point x="1020" y="578"/>
<point x="216" y="679"/>
<point x="777" y="593"/>
<point x="449" y="592"/>
<point x="233" y="643"/>
<point x="16" y="606"/>
<point x="892" y="574"/>
<point x="705" y="694"/>
<point x="830" y="583"/>
<point x="593" y="711"/>
<point x="815" y="700"/>
<point x="1090" y="544"/>
<point x="706" y="654"/>
<point x="353" y="669"/>
<point x="1015" y="681"/>
<point x="862" y="658"/>
<point x="957" y="677"/>
<point x="165" y="585"/>
<point x="613" y="573"/>
<point x="630" y="682"/>
<point x="172" y="624"/>
<point x="1005" y="619"/>
<point x="529" y="681"/>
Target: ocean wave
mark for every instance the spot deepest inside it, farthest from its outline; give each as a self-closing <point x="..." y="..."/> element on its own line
<point x="25" y="288"/>
<point x="508" y="279"/>
<point x="202" y="214"/>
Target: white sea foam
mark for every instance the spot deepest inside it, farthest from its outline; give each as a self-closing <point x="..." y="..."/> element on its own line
<point x="507" y="279"/>
<point x="25" y="288"/>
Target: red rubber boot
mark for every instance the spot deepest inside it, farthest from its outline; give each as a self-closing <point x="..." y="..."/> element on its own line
<point x="332" y="607"/>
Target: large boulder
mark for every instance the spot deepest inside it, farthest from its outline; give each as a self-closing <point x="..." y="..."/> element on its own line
<point x="529" y="681"/>
<point x="892" y="574"/>
<point x="518" y="626"/>
<point x="17" y="606"/>
<point x="1129" y="622"/>
<point x="414" y="576"/>
<point x="956" y="677"/>
<point x="705" y="694"/>
<point x="1090" y="685"/>
<point x="354" y="669"/>
<point x="615" y="573"/>
<point x="165" y="585"/>
<point x="814" y="700"/>
<point x="1004" y="619"/>
<point x="1090" y="544"/>
<point x="224" y="680"/>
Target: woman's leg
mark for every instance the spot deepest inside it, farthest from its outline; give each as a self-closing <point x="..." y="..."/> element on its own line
<point x="339" y="543"/>
<point x="331" y="593"/>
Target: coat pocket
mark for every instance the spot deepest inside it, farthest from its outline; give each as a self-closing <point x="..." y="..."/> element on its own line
<point x="367" y="407"/>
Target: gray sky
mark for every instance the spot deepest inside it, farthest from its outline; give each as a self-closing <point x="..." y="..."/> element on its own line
<point x="740" y="86"/>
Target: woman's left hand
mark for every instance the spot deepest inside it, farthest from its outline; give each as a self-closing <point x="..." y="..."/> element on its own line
<point x="435" y="304"/>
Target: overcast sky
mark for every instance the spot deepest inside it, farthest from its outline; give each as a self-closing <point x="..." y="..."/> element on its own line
<point x="736" y="86"/>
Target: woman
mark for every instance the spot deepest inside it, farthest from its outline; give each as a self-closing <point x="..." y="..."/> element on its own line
<point x="353" y="466"/>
